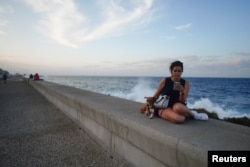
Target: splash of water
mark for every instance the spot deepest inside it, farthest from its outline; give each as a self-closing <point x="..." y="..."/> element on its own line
<point x="141" y="90"/>
<point x="136" y="90"/>
<point x="208" y="105"/>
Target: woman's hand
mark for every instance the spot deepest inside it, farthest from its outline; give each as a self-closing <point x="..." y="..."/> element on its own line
<point x="184" y="92"/>
<point x="180" y="88"/>
<point x="150" y="100"/>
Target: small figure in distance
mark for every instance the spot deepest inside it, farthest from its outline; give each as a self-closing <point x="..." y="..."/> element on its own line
<point x="36" y="77"/>
<point x="5" y="76"/>
<point x="30" y="77"/>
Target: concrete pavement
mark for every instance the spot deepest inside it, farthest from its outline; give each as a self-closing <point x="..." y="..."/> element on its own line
<point x="33" y="132"/>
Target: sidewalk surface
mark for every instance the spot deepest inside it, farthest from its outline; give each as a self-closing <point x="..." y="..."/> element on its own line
<point x="33" y="132"/>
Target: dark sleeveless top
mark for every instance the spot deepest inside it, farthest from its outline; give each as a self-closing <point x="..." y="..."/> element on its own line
<point x="173" y="94"/>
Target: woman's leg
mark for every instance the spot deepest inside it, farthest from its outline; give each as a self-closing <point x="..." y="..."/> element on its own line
<point x="182" y="109"/>
<point x="171" y="116"/>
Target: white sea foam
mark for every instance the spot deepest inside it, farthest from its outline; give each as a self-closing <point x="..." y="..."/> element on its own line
<point x="141" y="90"/>
<point x="135" y="89"/>
<point x="205" y="103"/>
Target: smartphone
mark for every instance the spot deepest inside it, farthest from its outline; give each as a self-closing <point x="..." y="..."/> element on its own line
<point x="176" y="85"/>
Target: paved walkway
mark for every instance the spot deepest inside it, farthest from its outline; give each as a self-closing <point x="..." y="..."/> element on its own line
<point x="33" y="132"/>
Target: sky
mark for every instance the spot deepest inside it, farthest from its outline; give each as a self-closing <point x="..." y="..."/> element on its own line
<point x="125" y="37"/>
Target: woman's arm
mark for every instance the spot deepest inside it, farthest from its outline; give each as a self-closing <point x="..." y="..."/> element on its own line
<point x="160" y="87"/>
<point x="157" y="93"/>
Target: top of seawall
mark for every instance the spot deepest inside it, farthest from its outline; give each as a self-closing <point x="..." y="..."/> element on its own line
<point x="156" y="137"/>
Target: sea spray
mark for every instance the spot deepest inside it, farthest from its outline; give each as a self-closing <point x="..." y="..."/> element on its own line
<point x="144" y="88"/>
<point x="208" y="105"/>
<point x="228" y="97"/>
<point x="140" y="90"/>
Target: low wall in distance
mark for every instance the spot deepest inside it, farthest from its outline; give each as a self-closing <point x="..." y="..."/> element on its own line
<point x="117" y="125"/>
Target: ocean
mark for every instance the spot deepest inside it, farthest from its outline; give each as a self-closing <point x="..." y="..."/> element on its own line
<point x="228" y="97"/>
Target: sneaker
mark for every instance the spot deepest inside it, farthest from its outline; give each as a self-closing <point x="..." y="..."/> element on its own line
<point x="194" y="112"/>
<point x="199" y="116"/>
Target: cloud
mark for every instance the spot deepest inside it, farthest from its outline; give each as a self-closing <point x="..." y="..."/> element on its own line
<point x="117" y="18"/>
<point x="4" y="9"/>
<point x="183" y="27"/>
<point x="169" y="38"/>
<point x="220" y="66"/>
<point x="62" y="21"/>
<point x="241" y="54"/>
<point x="194" y="66"/>
<point x="2" y="33"/>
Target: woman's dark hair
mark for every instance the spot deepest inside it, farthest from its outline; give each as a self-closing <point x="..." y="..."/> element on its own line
<point x="176" y="63"/>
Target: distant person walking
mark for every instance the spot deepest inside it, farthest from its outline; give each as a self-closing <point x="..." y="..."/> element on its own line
<point x="36" y="77"/>
<point x="5" y="76"/>
<point x="30" y="77"/>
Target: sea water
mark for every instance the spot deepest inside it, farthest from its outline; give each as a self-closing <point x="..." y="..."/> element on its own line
<point x="228" y="97"/>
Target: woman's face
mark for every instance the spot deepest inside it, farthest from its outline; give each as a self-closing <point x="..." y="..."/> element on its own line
<point x="176" y="72"/>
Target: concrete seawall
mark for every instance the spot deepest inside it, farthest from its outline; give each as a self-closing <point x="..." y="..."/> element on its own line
<point x="117" y="125"/>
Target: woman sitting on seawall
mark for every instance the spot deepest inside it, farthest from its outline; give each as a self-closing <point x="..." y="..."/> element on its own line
<point x="177" y="89"/>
